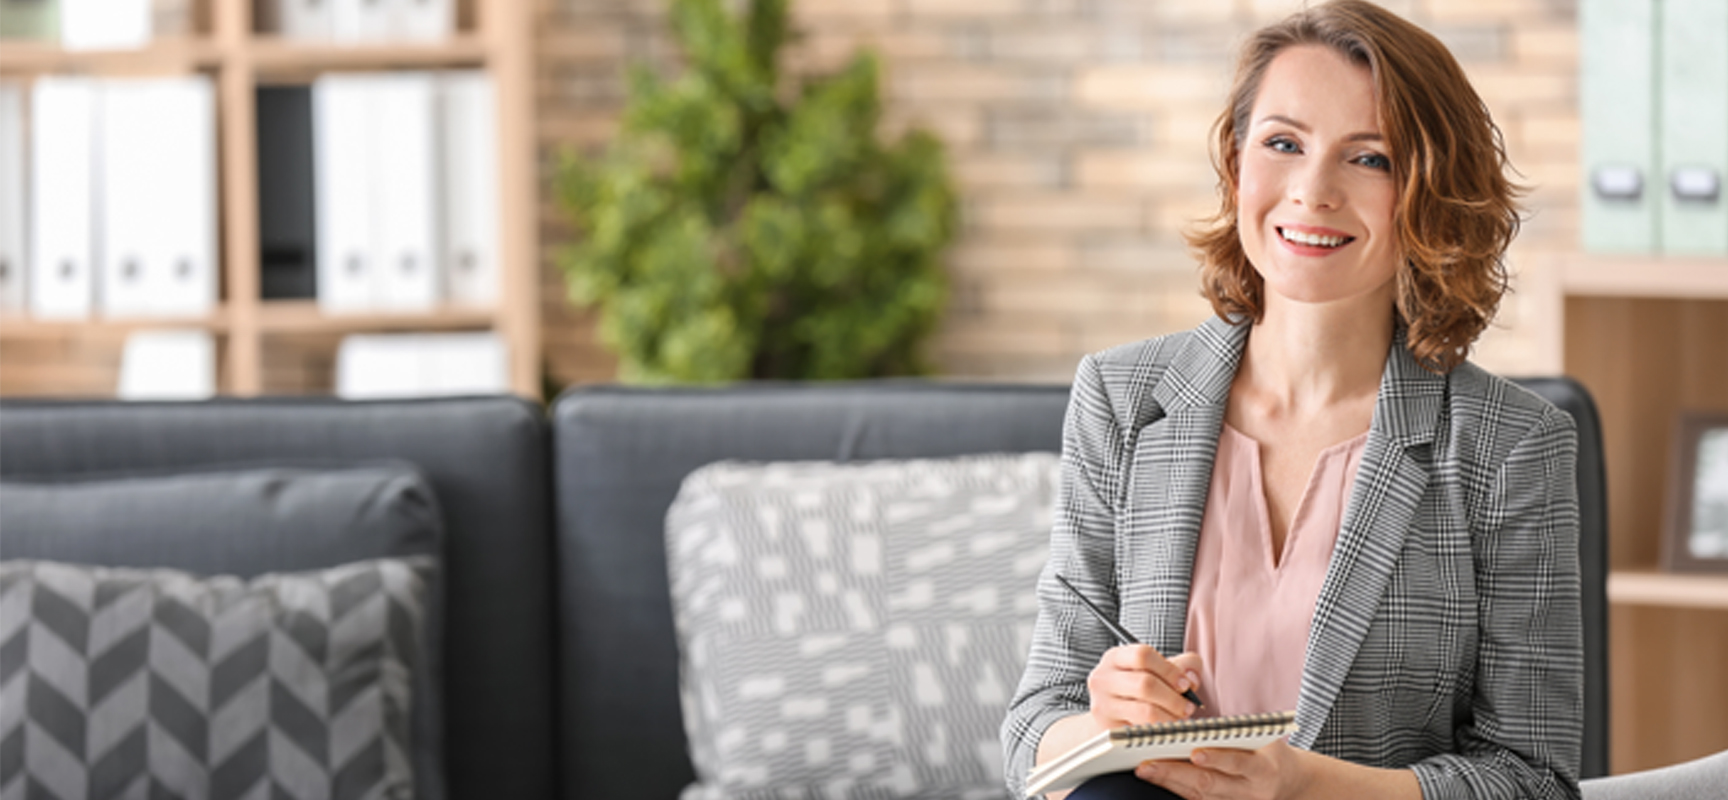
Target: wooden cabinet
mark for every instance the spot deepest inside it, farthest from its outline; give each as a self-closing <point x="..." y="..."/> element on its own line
<point x="1649" y="337"/>
<point x="285" y="347"/>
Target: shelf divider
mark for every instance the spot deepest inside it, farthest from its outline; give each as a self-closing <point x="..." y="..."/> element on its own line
<point x="304" y="316"/>
<point x="169" y="56"/>
<point x="239" y="156"/>
<point x="1647" y="276"/>
<point x="1672" y="590"/>
<point x="270" y="55"/>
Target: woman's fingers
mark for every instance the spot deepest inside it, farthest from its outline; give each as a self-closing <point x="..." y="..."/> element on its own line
<point x="1230" y="761"/>
<point x="1219" y="772"/>
<point x="1190" y="664"/>
<point x="1180" y="673"/>
<point x="1134" y="684"/>
<point x="1184" y="780"/>
<point x="1144" y="658"/>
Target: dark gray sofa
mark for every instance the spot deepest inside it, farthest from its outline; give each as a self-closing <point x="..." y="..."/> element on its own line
<point x="560" y="658"/>
<point x="486" y="460"/>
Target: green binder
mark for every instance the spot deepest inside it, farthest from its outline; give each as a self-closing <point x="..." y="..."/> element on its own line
<point x="30" y="19"/>
<point x="1617" y="98"/>
<point x="1694" y="144"/>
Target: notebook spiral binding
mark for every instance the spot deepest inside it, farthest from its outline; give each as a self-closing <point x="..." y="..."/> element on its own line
<point x="1203" y="730"/>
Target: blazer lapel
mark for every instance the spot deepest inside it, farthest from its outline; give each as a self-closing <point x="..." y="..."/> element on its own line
<point x="1390" y="482"/>
<point x="1171" y="479"/>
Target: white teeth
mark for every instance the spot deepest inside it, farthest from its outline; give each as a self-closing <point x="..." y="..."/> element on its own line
<point x="1312" y="239"/>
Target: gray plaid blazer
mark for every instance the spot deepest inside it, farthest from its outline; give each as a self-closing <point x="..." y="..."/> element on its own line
<point x="1447" y="635"/>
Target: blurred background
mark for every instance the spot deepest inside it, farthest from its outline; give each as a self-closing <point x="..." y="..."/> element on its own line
<point x="246" y="197"/>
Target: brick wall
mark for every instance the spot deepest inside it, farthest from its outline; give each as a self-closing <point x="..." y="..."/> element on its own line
<point x="1077" y="132"/>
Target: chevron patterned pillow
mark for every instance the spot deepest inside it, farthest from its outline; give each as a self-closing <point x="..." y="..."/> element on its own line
<point x="134" y="683"/>
<point x="855" y="630"/>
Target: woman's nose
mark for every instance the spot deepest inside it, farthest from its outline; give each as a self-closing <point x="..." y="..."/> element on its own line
<point x="1315" y="185"/>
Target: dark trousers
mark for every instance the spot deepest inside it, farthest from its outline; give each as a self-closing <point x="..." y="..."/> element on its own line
<point x="1121" y="786"/>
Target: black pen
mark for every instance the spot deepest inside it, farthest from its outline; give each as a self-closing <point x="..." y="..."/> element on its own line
<point x="1122" y="634"/>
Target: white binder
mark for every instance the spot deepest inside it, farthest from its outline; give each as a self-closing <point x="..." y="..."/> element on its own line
<point x="305" y="20"/>
<point x="14" y="249"/>
<point x="62" y="177"/>
<point x="187" y="239"/>
<point x="468" y="363"/>
<point x="404" y="193"/>
<point x="421" y="20"/>
<point x="360" y="20"/>
<point x="345" y="172"/>
<point x="104" y="24"/>
<point x="470" y="189"/>
<point x="158" y="204"/>
<point x="168" y="365"/>
<point x="375" y="366"/>
<point x="130" y="210"/>
<point x="184" y="244"/>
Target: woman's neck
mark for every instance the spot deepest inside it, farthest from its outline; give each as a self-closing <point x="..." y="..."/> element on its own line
<point x="1302" y="357"/>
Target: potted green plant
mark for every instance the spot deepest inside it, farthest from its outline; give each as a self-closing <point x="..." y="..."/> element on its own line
<point x="743" y="225"/>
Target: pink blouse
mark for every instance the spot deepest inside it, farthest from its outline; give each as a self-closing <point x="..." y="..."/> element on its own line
<point x="1248" y="615"/>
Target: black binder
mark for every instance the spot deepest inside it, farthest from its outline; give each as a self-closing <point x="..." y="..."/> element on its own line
<point x="287" y="223"/>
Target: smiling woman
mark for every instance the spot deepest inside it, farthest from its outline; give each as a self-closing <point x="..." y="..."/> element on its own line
<point x="1455" y="211"/>
<point x="1314" y="500"/>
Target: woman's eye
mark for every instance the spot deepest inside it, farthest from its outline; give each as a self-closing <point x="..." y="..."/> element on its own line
<point x="1282" y="145"/>
<point x="1375" y="161"/>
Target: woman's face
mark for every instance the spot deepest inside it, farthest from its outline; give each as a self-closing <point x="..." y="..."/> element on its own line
<point x="1315" y="194"/>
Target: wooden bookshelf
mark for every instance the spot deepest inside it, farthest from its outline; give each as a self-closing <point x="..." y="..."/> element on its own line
<point x="1648" y="336"/>
<point x="494" y="35"/>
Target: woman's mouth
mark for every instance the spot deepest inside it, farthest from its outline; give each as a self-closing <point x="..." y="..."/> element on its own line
<point x="1322" y="241"/>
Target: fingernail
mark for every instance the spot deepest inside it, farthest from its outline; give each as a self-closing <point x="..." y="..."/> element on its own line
<point x="1183" y="684"/>
<point x="1192" y="679"/>
<point x="1199" y="757"/>
<point x="1147" y="771"/>
<point x="1188" y="709"/>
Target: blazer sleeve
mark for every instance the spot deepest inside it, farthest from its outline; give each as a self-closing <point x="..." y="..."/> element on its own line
<point x="1522" y="738"/>
<point x="1066" y="640"/>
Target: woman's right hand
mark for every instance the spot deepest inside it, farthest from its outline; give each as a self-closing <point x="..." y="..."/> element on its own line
<point x="1133" y="684"/>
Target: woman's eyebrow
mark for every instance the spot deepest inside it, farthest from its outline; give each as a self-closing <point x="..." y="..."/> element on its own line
<point x="1362" y="136"/>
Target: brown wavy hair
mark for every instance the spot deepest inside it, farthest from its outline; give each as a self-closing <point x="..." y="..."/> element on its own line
<point x="1457" y="211"/>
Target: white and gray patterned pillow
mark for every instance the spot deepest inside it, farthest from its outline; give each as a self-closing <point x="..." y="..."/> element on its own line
<point x="855" y="630"/>
<point x="133" y="683"/>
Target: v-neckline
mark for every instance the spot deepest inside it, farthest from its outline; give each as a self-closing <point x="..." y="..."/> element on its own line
<point x="1274" y="558"/>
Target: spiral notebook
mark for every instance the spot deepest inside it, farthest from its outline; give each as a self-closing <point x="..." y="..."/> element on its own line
<point x="1124" y="748"/>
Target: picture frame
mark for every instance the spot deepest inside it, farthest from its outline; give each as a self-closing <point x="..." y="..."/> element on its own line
<point x="1695" y="535"/>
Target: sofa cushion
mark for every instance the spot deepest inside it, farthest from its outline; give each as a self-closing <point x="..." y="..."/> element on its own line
<point x="145" y="682"/>
<point x="855" y="629"/>
<point x="247" y="520"/>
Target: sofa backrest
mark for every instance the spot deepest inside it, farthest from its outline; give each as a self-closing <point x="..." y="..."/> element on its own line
<point x="1574" y="399"/>
<point x="620" y="457"/>
<point x="486" y="461"/>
